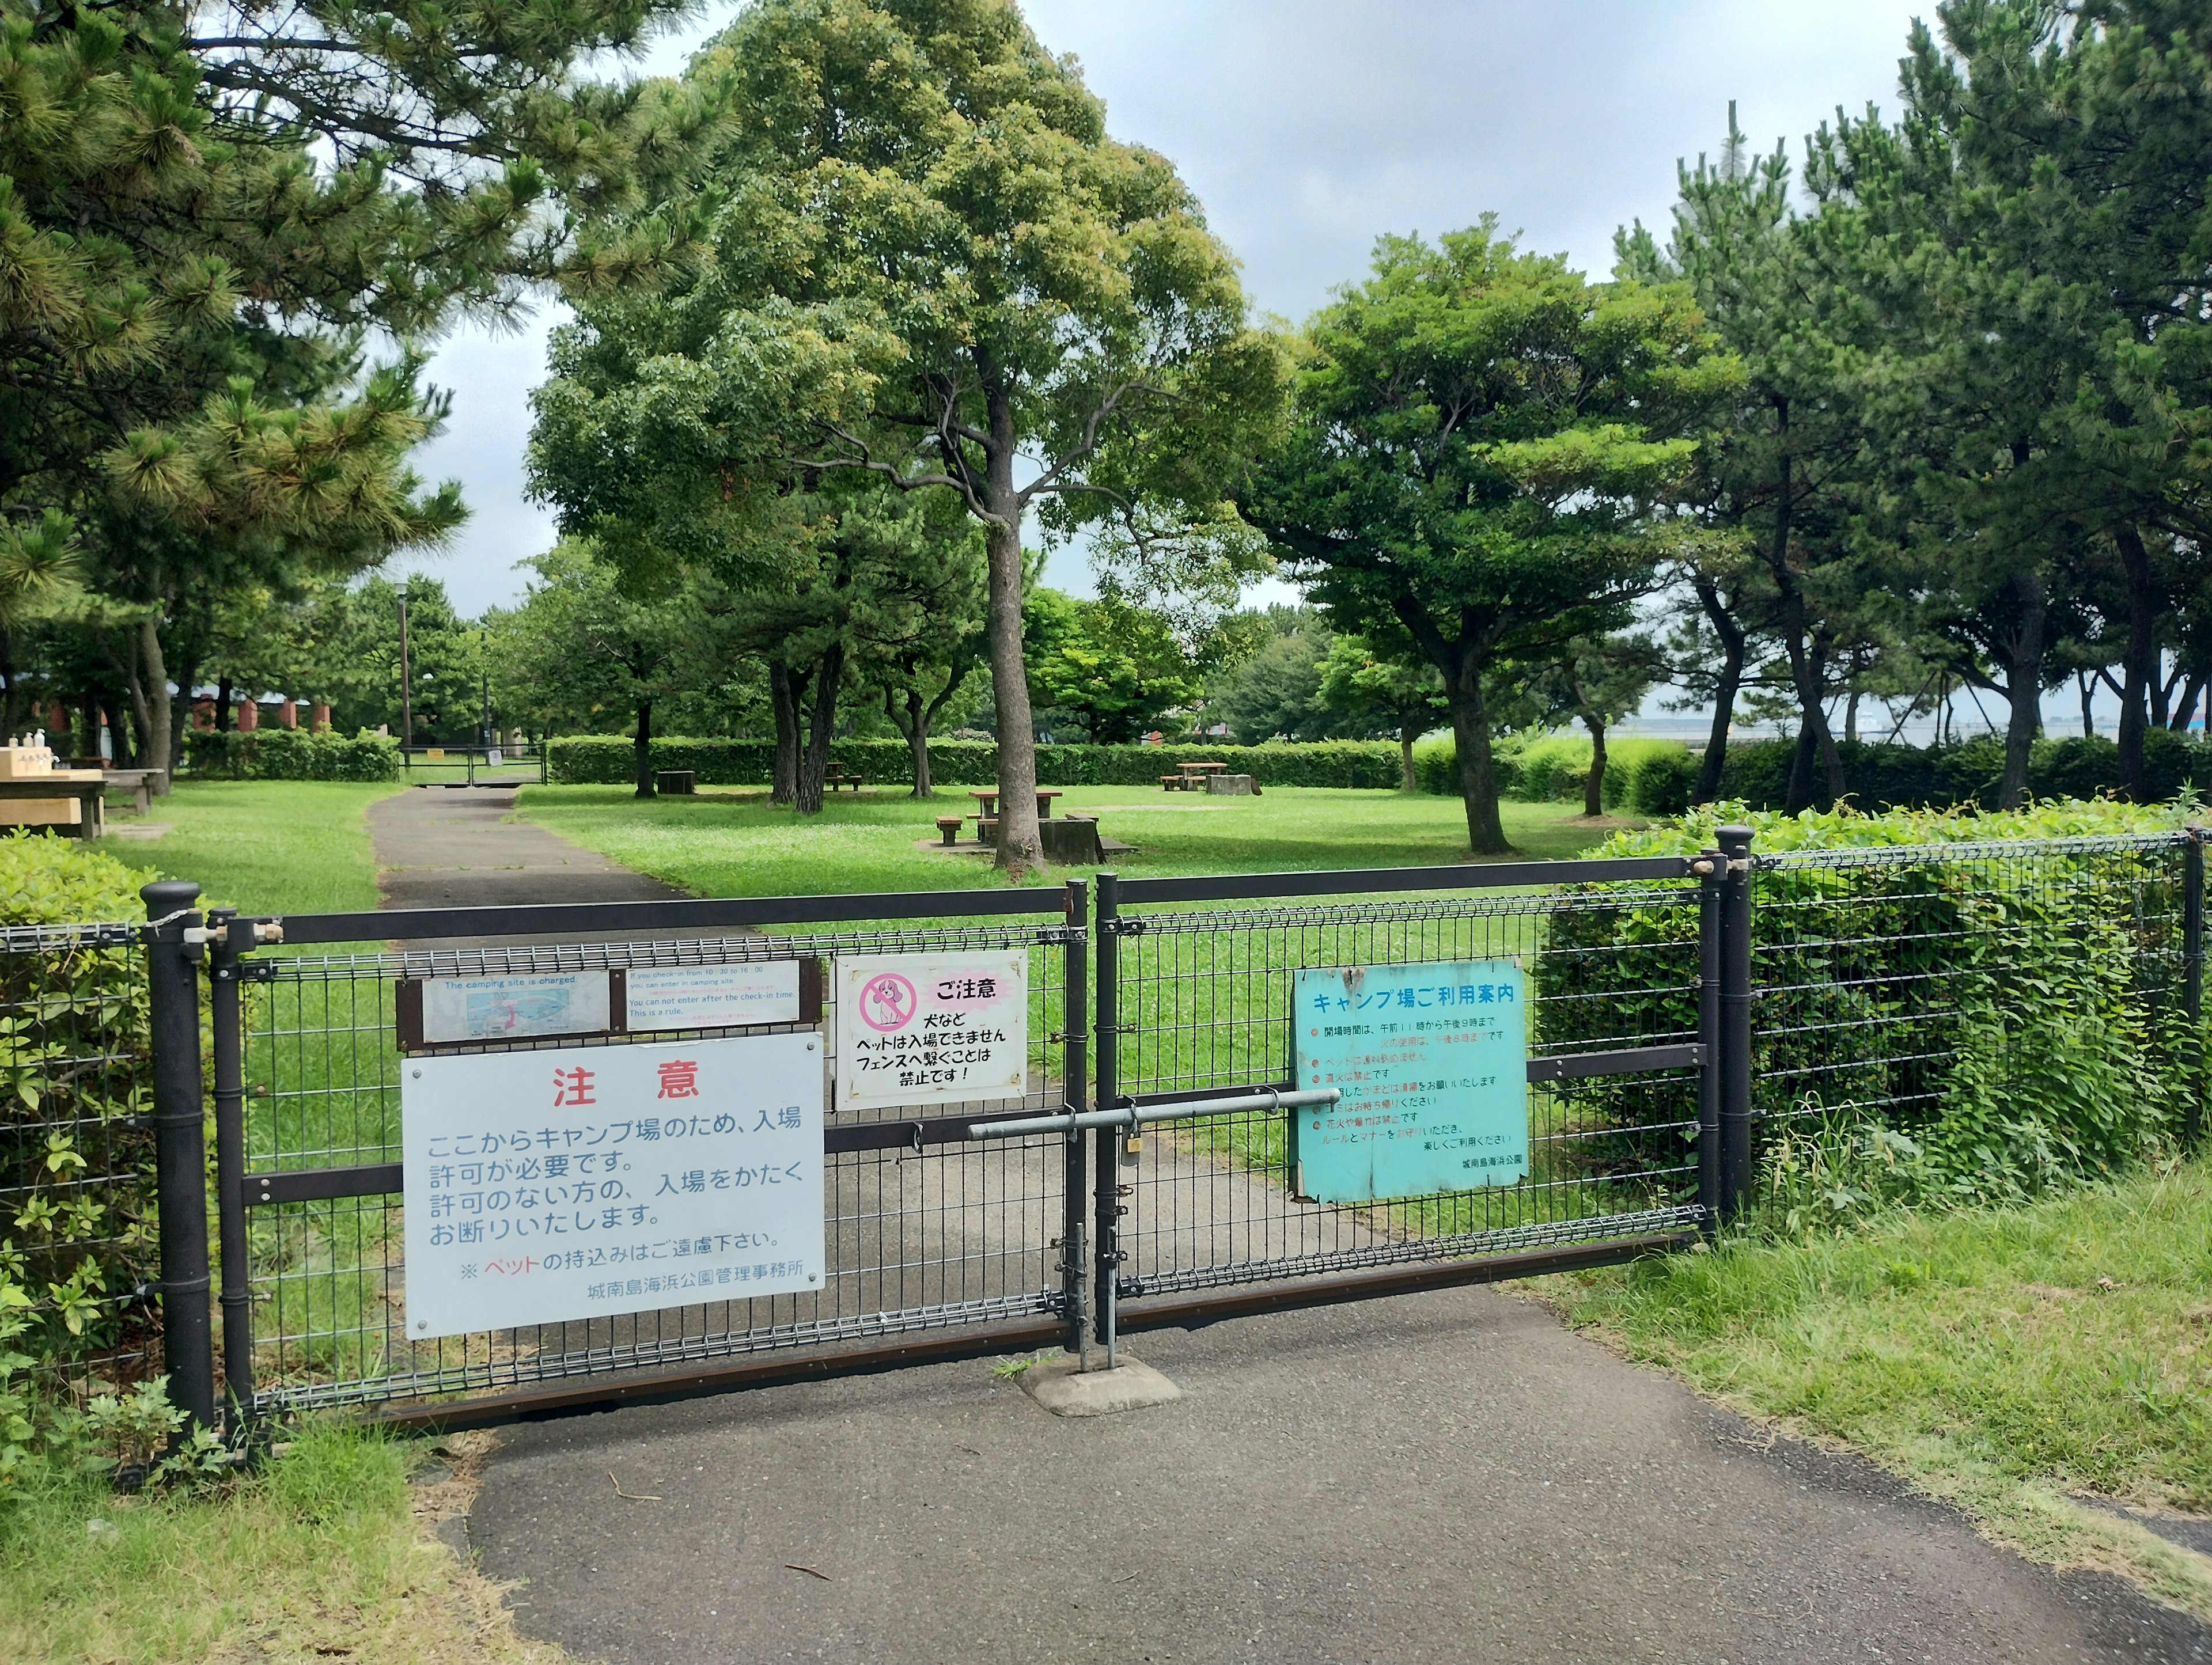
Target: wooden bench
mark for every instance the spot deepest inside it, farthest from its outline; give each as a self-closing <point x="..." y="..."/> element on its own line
<point x="66" y="803"/>
<point x="683" y="782"/>
<point x="136" y="784"/>
<point x="950" y="825"/>
<point x="1175" y="783"/>
<point x="836" y="778"/>
<point x="986" y="829"/>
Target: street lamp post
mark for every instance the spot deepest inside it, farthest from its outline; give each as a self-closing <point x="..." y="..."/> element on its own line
<point x="406" y="682"/>
<point x="483" y="668"/>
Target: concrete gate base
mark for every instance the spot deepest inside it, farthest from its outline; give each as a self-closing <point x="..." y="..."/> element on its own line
<point x="1062" y="1388"/>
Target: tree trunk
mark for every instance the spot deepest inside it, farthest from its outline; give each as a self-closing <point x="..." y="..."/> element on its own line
<point x="2191" y="696"/>
<point x="9" y="687"/>
<point x="783" y="780"/>
<point x="157" y="715"/>
<point x="2023" y="688"/>
<point x="223" y="722"/>
<point x="1405" y="733"/>
<point x="814" y="759"/>
<point x="642" y="749"/>
<point x="914" y="726"/>
<point x="1851" y="717"/>
<point x="2140" y="656"/>
<point x="1816" y="744"/>
<point x="1726" y="686"/>
<point x="1594" y="782"/>
<point x="1478" y="778"/>
<point x="1020" y="845"/>
<point x="2084" y="687"/>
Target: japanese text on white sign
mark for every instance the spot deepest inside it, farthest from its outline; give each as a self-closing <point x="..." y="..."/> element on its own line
<point x="915" y="1029"/>
<point x="581" y="1181"/>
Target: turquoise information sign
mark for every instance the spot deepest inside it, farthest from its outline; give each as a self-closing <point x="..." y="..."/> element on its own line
<point x="1433" y="1064"/>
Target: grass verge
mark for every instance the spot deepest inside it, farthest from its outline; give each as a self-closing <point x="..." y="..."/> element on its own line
<point x="736" y="843"/>
<point x="272" y="846"/>
<point x="2011" y="1362"/>
<point x="325" y="1554"/>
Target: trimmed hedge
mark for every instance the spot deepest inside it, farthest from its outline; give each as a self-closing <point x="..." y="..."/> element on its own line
<point x="291" y="754"/>
<point x="607" y="760"/>
<point x="1881" y="777"/>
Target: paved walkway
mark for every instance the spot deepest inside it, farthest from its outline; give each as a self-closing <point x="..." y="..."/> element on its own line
<point x="452" y="846"/>
<point x="1445" y="1477"/>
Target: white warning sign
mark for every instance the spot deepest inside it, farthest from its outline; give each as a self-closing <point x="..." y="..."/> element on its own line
<point x="921" y="1028"/>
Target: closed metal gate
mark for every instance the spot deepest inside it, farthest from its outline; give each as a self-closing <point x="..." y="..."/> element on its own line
<point x="927" y="1228"/>
<point x="992" y="1226"/>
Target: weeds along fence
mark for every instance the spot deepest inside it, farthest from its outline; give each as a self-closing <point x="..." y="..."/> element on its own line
<point x="1707" y="1034"/>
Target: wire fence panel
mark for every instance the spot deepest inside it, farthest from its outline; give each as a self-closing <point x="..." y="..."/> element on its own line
<point x="925" y="1230"/>
<point x="1900" y="986"/>
<point x="77" y="1219"/>
<point x="1205" y="1006"/>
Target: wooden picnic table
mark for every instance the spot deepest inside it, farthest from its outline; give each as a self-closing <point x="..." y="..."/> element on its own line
<point x="137" y="783"/>
<point x="989" y="801"/>
<point x="85" y="785"/>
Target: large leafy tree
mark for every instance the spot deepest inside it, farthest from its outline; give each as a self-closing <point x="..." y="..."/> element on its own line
<point x="583" y="647"/>
<point x="202" y="208"/>
<point x="1270" y="682"/>
<point x="933" y="265"/>
<point x="1384" y="683"/>
<point x="1480" y="438"/>
<point x="1114" y="666"/>
<point x="1779" y="471"/>
<point x="2030" y="264"/>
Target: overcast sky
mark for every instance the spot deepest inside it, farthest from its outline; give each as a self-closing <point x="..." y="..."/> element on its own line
<point x="1309" y="128"/>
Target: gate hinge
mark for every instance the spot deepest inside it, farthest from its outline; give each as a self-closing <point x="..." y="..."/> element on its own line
<point x="257" y="972"/>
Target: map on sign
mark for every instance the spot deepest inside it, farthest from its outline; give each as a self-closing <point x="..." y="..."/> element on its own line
<point x="919" y="1029"/>
<point x="514" y="1008"/>
<point x="577" y="1182"/>
<point x="1432" y="1061"/>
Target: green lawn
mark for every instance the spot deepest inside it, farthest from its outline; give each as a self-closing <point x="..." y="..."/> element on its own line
<point x="2009" y="1361"/>
<point x="732" y="842"/>
<point x="316" y="1556"/>
<point x="274" y="847"/>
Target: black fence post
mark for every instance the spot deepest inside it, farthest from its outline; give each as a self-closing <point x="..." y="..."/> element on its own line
<point x="179" y="1146"/>
<point x="2192" y="979"/>
<point x="1075" y="1056"/>
<point x="1712" y="874"/>
<point x="1106" y="1230"/>
<point x="233" y="937"/>
<point x="1735" y="1022"/>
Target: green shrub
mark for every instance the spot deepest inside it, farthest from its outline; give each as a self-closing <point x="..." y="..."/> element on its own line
<point x="77" y="1178"/>
<point x="291" y="754"/>
<point x="1949" y="1031"/>
<point x="1543" y="769"/>
<point x="608" y="760"/>
<point x="1662" y="782"/>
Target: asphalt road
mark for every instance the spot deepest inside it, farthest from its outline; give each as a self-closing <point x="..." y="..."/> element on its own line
<point x="1442" y="1477"/>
